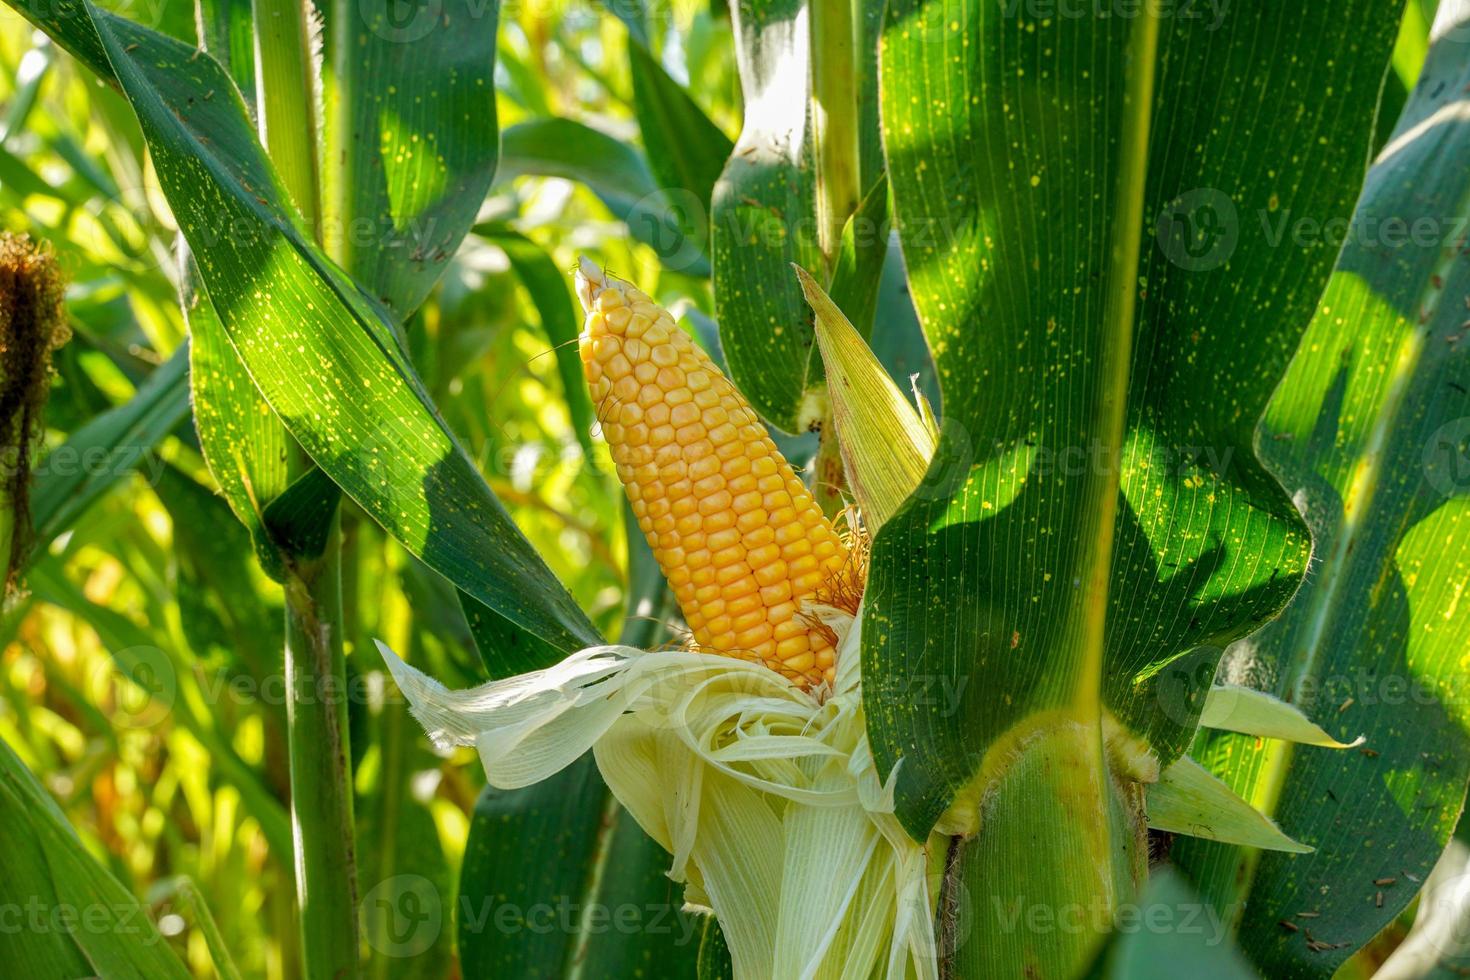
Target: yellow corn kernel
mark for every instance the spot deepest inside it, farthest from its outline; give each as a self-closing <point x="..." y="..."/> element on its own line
<point x="737" y="534"/>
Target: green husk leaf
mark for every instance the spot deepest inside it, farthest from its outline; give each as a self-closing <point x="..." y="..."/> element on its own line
<point x="886" y="447"/>
<point x="1187" y="799"/>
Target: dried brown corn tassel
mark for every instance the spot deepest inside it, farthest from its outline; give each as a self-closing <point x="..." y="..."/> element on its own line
<point x="32" y="325"/>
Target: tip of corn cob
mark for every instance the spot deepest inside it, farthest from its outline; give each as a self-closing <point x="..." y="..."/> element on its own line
<point x="590" y="280"/>
<point x="739" y="537"/>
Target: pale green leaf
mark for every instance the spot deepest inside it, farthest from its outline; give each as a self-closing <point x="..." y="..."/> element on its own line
<point x="1250" y="712"/>
<point x="885" y="444"/>
<point x="1188" y="800"/>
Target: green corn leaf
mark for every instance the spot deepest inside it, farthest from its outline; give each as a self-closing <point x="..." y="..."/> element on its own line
<point x="242" y="440"/>
<point x="714" y="953"/>
<point x="556" y="874"/>
<point x="685" y="148"/>
<point x="1188" y="800"/>
<point x="344" y="389"/>
<point x="49" y="872"/>
<point x="857" y="273"/>
<point x="1369" y="432"/>
<point x="1250" y="712"/>
<point x="226" y="30"/>
<point x="1089" y="375"/>
<point x="686" y="151"/>
<point x="1169" y="928"/>
<point x="300" y="520"/>
<point x="410" y="140"/>
<point x="1108" y="317"/>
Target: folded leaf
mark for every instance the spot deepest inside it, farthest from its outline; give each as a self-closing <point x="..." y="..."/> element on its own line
<point x="1187" y="799"/>
<point x="1251" y="712"/>
<point x="886" y="447"/>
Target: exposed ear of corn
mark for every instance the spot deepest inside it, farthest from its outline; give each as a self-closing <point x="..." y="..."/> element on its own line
<point x="738" y="535"/>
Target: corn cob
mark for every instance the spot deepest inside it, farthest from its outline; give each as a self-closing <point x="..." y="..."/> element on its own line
<point x="739" y="537"/>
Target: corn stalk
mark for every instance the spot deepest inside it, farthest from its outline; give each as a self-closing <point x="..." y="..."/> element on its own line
<point x="316" y="676"/>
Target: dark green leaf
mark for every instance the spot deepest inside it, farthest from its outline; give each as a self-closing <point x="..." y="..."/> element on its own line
<point x="1108" y="317"/>
<point x="300" y="520"/>
<point x="344" y="388"/>
<point x="410" y="139"/>
<point x="686" y="151"/>
<point x="857" y="274"/>
<point x="1370" y="430"/>
<point x="714" y="954"/>
<point x="556" y="875"/>
<point x="47" y="864"/>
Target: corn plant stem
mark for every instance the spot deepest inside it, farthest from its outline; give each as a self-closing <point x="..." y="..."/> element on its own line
<point x="323" y="831"/>
<point x="321" y="788"/>
<point x="835" y="119"/>
<point x="286" y="95"/>
<point x="835" y="133"/>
